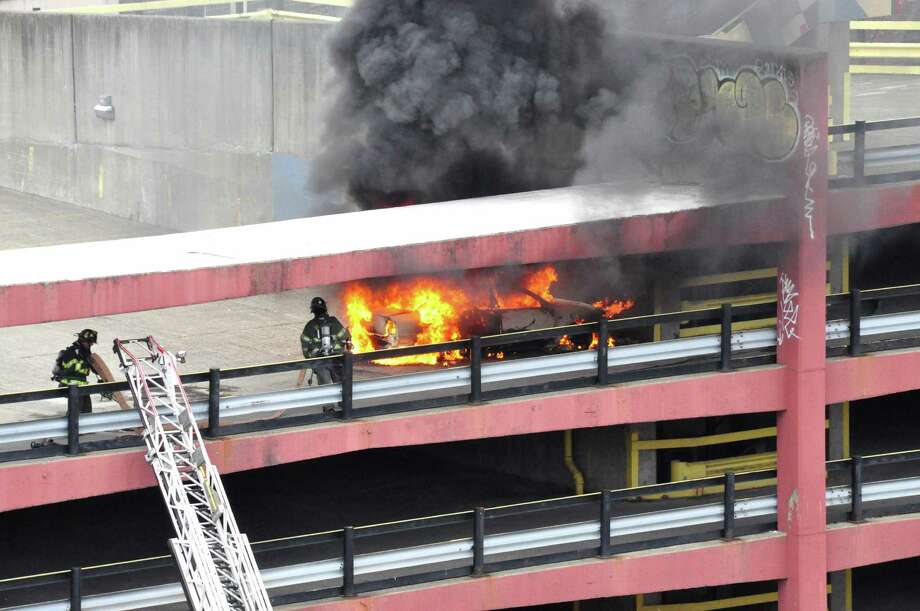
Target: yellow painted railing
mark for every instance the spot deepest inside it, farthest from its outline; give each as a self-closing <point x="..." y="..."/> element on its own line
<point x="269" y="14"/>
<point x="727" y="278"/>
<point x="885" y="50"/>
<point x="715" y="605"/>
<point x="159" y="5"/>
<point x="682" y="471"/>
<point x="637" y="445"/>
<point x="737" y="300"/>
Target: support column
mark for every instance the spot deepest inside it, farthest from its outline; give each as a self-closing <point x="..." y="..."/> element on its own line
<point x="838" y="414"/>
<point x="801" y="348"/>
<point x="642" y="466"/>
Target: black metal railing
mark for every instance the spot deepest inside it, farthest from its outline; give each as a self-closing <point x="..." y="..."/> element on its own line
<point x="474" y="348"/>
<point x="860" y="129"/>
<point x="606" y="505"/>
<point x="849" y="306"/>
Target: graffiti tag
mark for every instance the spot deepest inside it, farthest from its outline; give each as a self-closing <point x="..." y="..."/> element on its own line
<point x="810" y="145"/>
<point x="745" y="108"/>
<point x="787" y="323"/>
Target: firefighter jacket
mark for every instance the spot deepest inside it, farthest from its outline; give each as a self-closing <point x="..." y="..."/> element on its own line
<point x="323" y="336"/>
<point x="73" y="365"/>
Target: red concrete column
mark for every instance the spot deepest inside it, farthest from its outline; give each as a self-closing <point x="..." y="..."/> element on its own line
<point x="800" y="334"/>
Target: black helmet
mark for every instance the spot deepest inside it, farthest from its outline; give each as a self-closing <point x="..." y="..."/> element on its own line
<point x="318" y="305"/>
<point x="87" y="335"/>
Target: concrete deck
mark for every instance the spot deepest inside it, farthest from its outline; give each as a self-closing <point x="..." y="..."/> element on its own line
<point x="30" y="221"/>
<point x="56" y="283"/>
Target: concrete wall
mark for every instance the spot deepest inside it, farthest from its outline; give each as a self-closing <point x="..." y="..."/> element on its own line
<point x="37" y="78"/>
<point x="302" y="75"/>
<point x="301" y="63"/>
<point x="185" y="84"/>
<point x="202" y="108"/>
<point x="36" y="104"/>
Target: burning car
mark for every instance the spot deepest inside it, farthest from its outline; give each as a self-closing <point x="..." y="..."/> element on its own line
<point x="399" y="329"/>
<point x="430" y="310"/>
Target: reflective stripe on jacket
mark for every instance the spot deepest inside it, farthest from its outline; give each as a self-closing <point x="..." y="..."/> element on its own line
<point x="311" y="339"/>
<point x="75" y="365"/>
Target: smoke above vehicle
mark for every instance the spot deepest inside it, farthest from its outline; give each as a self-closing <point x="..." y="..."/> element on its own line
<point x="450" y="99"/>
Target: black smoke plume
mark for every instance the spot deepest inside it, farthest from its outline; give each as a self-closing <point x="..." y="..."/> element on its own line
<point x="449" y="99"/>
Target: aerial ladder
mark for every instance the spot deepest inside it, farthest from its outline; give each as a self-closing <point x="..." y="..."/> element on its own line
<point x="215" y="560"/>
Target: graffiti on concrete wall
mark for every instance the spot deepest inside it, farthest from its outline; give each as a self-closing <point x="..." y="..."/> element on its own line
<point x="788" y="320"/>
<point x="751" y="107"/>
<point x="810" y="137"/>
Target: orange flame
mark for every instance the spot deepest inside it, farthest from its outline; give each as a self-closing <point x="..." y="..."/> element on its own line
<point x="612" y="308"/>
<point x="595" y="340"/>
<point x="437" y="304"/>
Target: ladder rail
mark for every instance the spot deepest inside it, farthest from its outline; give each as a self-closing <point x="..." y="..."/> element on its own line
<point x="216" y="561"/>
<point x="202" y="575"/>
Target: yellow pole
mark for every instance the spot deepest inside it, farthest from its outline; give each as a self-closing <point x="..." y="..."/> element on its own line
<point x="848" y="598"/>
<point x="577" y="477"/>
<point x="632" y="459"/>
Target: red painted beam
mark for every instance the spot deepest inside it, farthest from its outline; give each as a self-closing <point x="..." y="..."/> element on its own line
<point x="849" y="210"/>
<point x="22" y="304"/>
<point x="874" y="542"/>
<point x="874" y="207"/>
<point x="756" y="390"/>
<point x="873" y="375"/>
<point x="757" y="558"/>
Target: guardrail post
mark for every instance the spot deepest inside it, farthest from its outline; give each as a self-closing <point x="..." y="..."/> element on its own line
<point x="726" y="333"/>
<point x="859" y="152"/>
<point x="854" y="348"/>
<point x="603" y="335"/>
<point x="73" y="419"/>
<point x="605" y="524"/>
<point x="479" y="538"/>
<point x="348" y="371"/>
<point x="348" y="561"/>
<point x="213" y="402"/>
<point x="728" y="503"/>
<point x="856" y="481"/>
<point x="76" y="579"/>
<point x="475" y="369"/>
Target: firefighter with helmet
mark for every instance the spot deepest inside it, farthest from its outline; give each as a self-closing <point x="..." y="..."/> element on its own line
<point x="322" y="336"/>
<point x="74" y="364"/>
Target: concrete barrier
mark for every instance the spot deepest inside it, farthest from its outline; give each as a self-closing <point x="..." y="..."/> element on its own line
<point x="187" y="84"/>
<point x="202" y="110"/>
<point x="36" y="104"/>
<point x="37" y="78"/>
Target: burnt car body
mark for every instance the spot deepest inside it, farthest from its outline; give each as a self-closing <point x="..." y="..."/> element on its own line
<point x="399" y="329"/>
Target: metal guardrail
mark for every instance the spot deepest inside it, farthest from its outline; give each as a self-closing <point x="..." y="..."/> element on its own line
<point x="461" y="384"/>
<point x="454" y="385"/>
<point x="862" y="158"/>
<point x="349" y="572"/>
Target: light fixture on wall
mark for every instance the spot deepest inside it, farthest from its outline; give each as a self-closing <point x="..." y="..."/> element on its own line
<point x="104" y="109"/>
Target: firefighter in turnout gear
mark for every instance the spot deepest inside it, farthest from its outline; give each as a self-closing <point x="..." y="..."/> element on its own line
<point x="324" y="335"/>
<point x="74" y="364"/>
